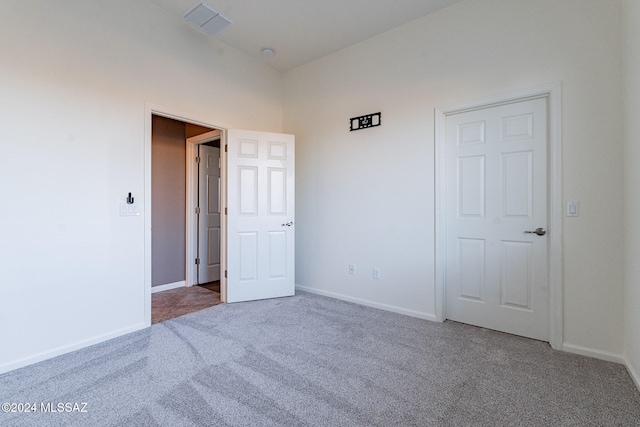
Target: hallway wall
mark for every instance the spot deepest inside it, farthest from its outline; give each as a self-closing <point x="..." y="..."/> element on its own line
<point x="168" y="199"/>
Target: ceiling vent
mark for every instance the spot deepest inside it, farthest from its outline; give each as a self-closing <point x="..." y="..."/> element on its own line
<point x="206" y="19"/>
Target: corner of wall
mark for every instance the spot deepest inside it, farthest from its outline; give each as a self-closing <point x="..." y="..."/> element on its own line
<point x="635" y="376"/>
<point x="631" y="109"/>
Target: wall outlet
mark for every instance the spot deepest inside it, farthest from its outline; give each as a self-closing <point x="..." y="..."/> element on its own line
<point x="573" y="209"/>
<point x="352" y="269"/>
<point x="376" y="273"/>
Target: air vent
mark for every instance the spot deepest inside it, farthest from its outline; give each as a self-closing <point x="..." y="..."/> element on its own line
<point x="206" y="19"/>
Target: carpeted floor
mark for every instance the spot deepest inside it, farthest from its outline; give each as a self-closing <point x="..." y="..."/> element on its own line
<point x="314" y="361"/>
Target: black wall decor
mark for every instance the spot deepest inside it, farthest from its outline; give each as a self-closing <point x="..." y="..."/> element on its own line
<point x="368" y="121"/>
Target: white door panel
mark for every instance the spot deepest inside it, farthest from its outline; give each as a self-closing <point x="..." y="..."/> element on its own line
<point x="209" y="217"/>
<point x="260" y="215"/>
<point x="496" y="275"/>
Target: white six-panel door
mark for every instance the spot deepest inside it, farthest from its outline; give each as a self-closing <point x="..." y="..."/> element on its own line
<point x="260" y="219"/>
<point x="209" y="235"/>
<point x="496" y="274"/>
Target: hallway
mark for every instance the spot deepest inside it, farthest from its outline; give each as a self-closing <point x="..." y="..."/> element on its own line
<point x="166" y="305"/>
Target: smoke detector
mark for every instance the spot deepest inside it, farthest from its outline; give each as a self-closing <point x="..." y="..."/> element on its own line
<point x="267" y="51"/>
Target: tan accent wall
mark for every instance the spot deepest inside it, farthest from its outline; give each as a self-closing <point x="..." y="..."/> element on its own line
<point x="168" y="195"/>
<point x="194" y="130"/>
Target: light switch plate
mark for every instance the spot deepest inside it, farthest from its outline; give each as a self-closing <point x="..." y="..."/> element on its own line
<point x="573" y="209"/>
<point x="129" y="209"/>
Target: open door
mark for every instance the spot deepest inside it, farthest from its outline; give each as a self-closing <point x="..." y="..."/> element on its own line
<point x="260" y="215"/>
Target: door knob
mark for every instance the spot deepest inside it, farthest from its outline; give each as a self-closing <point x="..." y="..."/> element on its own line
<point x="539" y="231"/>
<point x="288" y="224"/>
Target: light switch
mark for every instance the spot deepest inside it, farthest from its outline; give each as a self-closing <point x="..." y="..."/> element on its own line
<point x="573" y="209"/>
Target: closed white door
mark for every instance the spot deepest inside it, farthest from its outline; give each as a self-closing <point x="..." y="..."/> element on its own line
<point x="496" y="272"/>
<point x="260" y="220"/>
<point x="209" y="214"/>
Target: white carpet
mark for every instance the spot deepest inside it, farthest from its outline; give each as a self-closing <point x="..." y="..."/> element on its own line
<point x="309" y="360"/>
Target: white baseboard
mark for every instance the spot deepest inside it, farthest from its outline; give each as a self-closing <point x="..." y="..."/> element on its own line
<point x="596" y="354"/>
<point x="168" y="286"/>
<point x="633" y="373"/>
<point x="21" y="363"/>
<point x="386" y="307"/>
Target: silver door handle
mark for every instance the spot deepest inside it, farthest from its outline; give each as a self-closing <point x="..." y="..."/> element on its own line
<point x="288" y="224"/>
<point x="539" y="231"/>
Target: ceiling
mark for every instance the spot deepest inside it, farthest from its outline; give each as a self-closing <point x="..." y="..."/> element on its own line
<point x="300" y="31"/>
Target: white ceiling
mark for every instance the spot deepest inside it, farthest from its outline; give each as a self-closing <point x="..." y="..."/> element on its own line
<point x="301" y="31"/>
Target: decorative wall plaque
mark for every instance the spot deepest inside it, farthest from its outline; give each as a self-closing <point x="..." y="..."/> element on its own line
<point x="368" y="121"/>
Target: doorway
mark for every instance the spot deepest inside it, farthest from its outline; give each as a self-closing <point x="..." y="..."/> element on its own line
<point x="173" y="171"/>
<point x="173" y="296"/>
<point x="208" y="212"/>
<point x="167" y="244"/>
<point x="204" y="204"/>
<point x="498" y="230"/>
<point x="258" y="201"/>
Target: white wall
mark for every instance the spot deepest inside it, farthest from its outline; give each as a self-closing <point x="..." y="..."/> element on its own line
<point x="75" y="76"/>
<point x="367" y="197"/>
<point x="631" y="13"/>
<point x="74" y="79"/>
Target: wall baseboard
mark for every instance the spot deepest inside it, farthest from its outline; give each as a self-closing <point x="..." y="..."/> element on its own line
<point x="21" y="363"/>
<point x="569" y="348"/>
<point x="373" y="304"/>
<point x="596" y="354"/>
<point x="168" y="286"/>
<point x="633" y="373"/>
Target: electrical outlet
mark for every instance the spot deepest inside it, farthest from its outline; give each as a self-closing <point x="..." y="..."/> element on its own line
<point x="573" y="208"/>
<point x="352" y="269"/>
<point x="376" y="273"/>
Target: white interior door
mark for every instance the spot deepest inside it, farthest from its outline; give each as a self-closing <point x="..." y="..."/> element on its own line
<point x="260" y="218"/>
<point x="209" y="214"/>
<point x="496" y="272"/>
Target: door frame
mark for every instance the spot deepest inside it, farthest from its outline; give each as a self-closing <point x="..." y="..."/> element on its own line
<point x="192" y="202"/>
<point x="552" y="92"/>
<point x="196" y="119"/>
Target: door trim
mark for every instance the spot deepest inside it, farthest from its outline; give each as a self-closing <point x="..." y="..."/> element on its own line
<point x="188" y="117"/>
<point x="552" y="92"/>
<point x="192" y="201"/>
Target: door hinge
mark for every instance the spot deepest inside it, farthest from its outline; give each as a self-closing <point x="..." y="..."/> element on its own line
<point x="225" y="211"/>
<point x="197" y="261"/>
<point x="225" y="274"/>
<point x="198" y="159"/>
<point x="225" y="147"/>
<point x="198" y="210"/>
